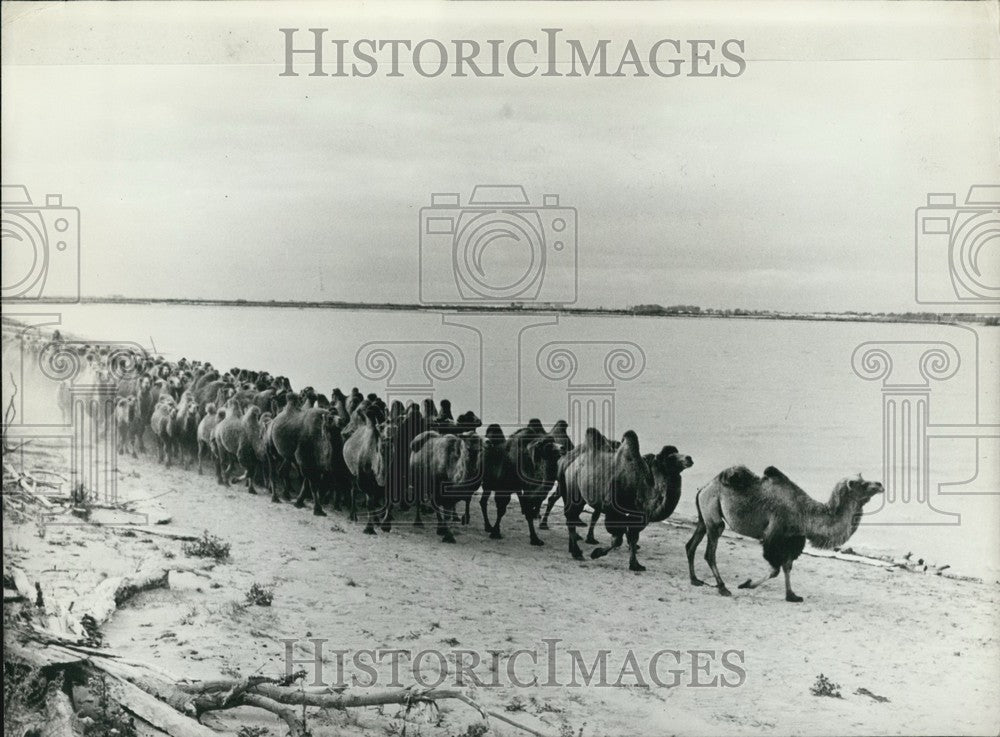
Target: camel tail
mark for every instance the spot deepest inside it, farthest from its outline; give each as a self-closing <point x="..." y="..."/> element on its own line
<point x="738" y="478"/>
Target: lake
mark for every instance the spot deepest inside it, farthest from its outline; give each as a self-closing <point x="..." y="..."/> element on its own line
<point x="725" y="391"/>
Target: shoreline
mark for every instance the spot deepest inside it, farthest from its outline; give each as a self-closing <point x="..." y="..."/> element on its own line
<point x="917" y="318"/>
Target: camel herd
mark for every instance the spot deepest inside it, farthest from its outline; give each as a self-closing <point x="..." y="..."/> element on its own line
<point x="335" y="451"/>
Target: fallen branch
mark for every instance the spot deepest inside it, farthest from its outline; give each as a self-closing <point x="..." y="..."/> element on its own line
<point x="173" y="706"/>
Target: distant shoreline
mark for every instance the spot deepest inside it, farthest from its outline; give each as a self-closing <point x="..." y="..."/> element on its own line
<point x="930" y="318"/>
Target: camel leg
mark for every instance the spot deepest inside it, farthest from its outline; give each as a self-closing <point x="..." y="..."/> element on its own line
<point x="550" y="502"/>
<point x="751" y="584"/>
<point x="713" y="541"/>
<point x="300" y="500"/>
<point x="201" y="452"/>
<point x="465" y="517"/>
<point x="789" y="594"/>
<point x="591" y="540"/>
<point x="387" y="517"/>
<point x="417" y="522"/>
<point x="616" y="542"/>
<point x="692" y="547"/>
<point x="633" y="547"/>
<point x="533" y="537"/>
<point x="442" y="530"/>
<point x="484" y="500"/>
<point x="370" y="521"/>
<point x="502" y="499"/>
<point x="314" y="489"/>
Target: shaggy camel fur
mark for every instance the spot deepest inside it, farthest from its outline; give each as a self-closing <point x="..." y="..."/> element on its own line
<point x="775" y="511"/>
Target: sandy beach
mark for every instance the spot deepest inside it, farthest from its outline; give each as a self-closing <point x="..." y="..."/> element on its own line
<point x="876" y="631"/>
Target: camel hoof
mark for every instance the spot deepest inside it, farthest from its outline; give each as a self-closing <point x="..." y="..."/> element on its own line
<point x="637" y="567"/>
<point x="495" y="535"/>
<point x="723" y="591"/>
<point x="418" y="524"/>
<point x="318" y="512"/>
<point x="745" y="584"/>
<point x="697" y="582"/>
<point x="577" y="554"/>
<point x="299" y="504"/>
<point x="598" y="553"/>
<point x="794" y="598"/>
<point x="275" y="500"/>
<point x="449" y="538"/>
<point x="537" y="542"/>
<point x="386" y="528"/>
<point x="591" y="540"/>
<point x="369" y="530"/>
<point x="543" y="525"/>
<point x="252" y="491"/>
<point x="441" y="530"/>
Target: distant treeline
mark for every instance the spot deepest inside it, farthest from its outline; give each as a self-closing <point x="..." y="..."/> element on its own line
<point x="933" y="317"/>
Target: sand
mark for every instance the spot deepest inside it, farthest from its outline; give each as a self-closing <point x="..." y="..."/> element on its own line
<point x="925" y="643"/>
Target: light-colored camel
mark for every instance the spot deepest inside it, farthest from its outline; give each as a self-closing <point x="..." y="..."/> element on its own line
<point x="444" y="469"/>
<point x="631" y="490"/>
<point x="775" y="511"/>
<point x="365" y="451"/>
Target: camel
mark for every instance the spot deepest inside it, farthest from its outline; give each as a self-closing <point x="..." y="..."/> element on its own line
<point x="775" y="511"/>
<point x="365" y="451"/>
<point x="527" y="467"/>
<point x="301" y="438"/>
<point x="444" y="469"/>
<point x="205" y="427"/>
<point x="163" y="416"/>
<point x="125" y="412"/>
<point x="631" y="490"/>
<point x="251" y="449"/>
<point x="225" y="441"/>
<point x="562" y="440"/>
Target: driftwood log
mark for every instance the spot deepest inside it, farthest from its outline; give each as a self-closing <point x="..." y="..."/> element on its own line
<point x="174" y="706"/>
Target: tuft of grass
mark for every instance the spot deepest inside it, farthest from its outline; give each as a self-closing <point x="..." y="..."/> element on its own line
<point x="246" y="731"/>
<point x="207" y="546"/>
<point x="260" y="595"/>
<point x="515" y="704"/>
<point x="112" y="720"/>
<point x="825" y="687"/>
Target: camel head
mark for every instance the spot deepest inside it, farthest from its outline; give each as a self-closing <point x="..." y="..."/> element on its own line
<point x="545" y="455"/>
<point x="861" y="491"/>
<point x="666" y="467"/>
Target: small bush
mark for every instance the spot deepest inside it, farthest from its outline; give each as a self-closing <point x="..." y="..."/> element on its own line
<point x="260" y="595"/>
<point x="246" y="731"/>
<point x="825" y="687"/>
<point x="515" y="704"/>
<point x="207" y="546"/>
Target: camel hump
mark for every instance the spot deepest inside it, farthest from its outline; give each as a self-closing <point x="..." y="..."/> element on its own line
<point x="630" y="443"/>
<point x="773" y="473"/>
<point x="421" y="440"/>
<point x="739" y="478"/>
<point x="221" y="414"/>
<point x="593" y="438"/>
<point x="494" y="435"/>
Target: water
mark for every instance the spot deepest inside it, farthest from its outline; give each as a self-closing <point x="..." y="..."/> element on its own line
<point x="725" y="391"/>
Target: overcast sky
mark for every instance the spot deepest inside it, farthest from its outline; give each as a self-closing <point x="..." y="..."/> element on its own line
<point x="200" y="172"/>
